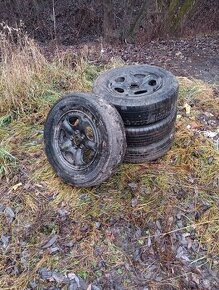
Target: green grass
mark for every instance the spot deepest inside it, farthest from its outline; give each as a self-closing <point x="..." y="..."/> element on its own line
<point x="7" y="162"/>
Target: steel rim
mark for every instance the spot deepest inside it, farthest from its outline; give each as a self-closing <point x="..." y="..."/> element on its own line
<point x="135" y="84"/>
<point x="76" y="140"/>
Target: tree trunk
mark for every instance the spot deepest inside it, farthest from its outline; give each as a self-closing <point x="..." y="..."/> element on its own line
<point x="108" y="23"/>
<point x="130" y="34"/>
<point x="176" y="14"/>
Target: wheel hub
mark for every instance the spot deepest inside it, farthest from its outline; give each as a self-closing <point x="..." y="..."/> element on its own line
<point x="134" y="84"/>
<point x="77" y="139"/>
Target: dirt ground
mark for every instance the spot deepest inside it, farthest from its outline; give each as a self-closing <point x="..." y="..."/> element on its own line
<point x="196" y="57"/>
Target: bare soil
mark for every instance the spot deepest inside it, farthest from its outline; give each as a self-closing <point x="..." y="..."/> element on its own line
<point x="196" y="57"/>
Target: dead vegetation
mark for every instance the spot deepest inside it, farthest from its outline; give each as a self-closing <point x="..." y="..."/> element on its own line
<point x="137" y="21"/>
<point x="153" y="225"/>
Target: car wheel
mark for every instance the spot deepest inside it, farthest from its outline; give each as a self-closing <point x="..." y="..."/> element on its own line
<point x="84" y="139"/>
<point x="142" y="94"/>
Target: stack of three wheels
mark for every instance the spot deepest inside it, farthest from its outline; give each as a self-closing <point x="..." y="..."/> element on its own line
<point x="145" y="96"/>
<point x="130" y="117"/>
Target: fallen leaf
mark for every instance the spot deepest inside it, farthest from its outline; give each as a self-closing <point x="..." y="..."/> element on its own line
<point x="187" y="107"/>
<point x="210" y="134"/>
<point x="15" y="187"/>
<point x="5" y="241"/>
<point x="50" y="242"/>
<point x="9" y="213"/>
<point x="195" y="125"/>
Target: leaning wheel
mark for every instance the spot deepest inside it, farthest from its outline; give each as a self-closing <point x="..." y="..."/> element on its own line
<point x="84" y="139"/>
<point x="142" y="94"/>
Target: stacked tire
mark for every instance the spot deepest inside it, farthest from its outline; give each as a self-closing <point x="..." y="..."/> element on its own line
<point x="146" y="98"/>
<point x="130" y="117"/>
<point x="84" y="139"/>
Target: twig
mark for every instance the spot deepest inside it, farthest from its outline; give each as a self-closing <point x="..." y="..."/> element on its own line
<point x="184" y="228"/>
<point x="54" y="18"/>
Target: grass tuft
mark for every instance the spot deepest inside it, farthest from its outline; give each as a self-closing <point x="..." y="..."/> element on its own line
<point x="7" y="162"/>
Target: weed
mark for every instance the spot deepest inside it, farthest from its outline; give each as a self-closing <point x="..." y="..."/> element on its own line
<point x="6" y="119"/>
<point x="7" y="162"/>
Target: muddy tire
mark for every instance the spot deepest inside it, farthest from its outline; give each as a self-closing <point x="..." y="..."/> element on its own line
<point x="149" y="153"/>
<point x="84" y="139"/>
<point x="152" y="133"/>
<point x="142" y="94"/>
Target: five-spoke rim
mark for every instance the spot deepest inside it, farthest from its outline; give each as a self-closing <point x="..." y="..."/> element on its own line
<point x="76" y="139"/>
<point x="135" y="84"/>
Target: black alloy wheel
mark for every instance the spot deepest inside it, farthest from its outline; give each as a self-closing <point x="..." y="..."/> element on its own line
<point x="142" y="94"/>
<point x="84" y="139"/>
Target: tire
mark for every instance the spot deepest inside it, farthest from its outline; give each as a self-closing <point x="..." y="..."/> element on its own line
<point x="149" y="153"/>
<point x="142" y="94"/>
<point x="84" y="139"/>
<point x="152" y="133"/>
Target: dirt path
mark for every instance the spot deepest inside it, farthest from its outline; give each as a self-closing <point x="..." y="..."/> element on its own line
<point x="197" y="57"/>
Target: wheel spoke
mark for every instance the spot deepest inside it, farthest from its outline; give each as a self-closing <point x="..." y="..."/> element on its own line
<point x="81" y="124"/>
<point x="150" y="83"/>
<point x="65" y="146"/>
<point x="78" y="160"/>
<point x="77" y="154"/>
<point x="133" y="84"/>
<point x="147" y="88"/>
<point x="72" y="150"/>
<point x="129" y="79"/>
<point x="77" y="141"/>
<point x="145" y="80"/>
<point x="67" y="127"/>
<point x="122" y="85"/>
<point x="144" y="86"/>
<point x="90" y="144"/>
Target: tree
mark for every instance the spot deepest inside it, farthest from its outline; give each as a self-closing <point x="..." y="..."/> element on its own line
<point x="108" y="22"/>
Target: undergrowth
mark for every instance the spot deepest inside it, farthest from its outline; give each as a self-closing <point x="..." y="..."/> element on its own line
<point x="136" y="195"/>
<point x="28" y="81"/>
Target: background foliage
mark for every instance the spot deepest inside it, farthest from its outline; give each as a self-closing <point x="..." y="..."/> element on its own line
<point x="129" y="21"/>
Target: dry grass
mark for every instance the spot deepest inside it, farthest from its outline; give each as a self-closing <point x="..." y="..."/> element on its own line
<point x="28" y="80"/>
<point x="183" y="180"/>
